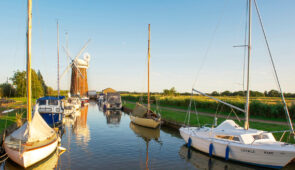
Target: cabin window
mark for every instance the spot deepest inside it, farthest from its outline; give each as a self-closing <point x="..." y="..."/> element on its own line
<point x="233" y="138"/>
<point x="42" y="102"/>
<point x="257" y="137"/>
<point x="52" y="102"/>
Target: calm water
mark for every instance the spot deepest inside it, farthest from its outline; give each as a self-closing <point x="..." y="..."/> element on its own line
<point x="97" y="140"/>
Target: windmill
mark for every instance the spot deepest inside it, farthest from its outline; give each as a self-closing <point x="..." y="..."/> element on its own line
<point x="79" y="85"/>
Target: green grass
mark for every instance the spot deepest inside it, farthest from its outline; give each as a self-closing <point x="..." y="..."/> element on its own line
<point x="8" y="119"/>
<point x="179" y="117"/>
<point x="260" y="108"/>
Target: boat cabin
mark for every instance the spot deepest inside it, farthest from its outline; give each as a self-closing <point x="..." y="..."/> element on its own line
<point x="230" y="131"/>
<point x="51" y="109"/>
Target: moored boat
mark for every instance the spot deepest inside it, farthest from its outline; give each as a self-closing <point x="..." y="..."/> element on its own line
<point x="34" y="140"/>
<point x="232" y="142"/>
<point x="246" y="145"/>
<point x="51" y="109"/>
<point x="142" y="115"/>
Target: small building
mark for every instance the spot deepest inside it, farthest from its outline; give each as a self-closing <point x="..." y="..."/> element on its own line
<point x="108" y="90"/>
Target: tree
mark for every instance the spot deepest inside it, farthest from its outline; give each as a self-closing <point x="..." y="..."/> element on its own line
<point x="19" y="81"/>
<point x="44" y="86"/>
<point x="7" y="90"/>
<point x="171" y="92"/>
<point x="215" y="93"/>
<point x="226" y="93"/>
<point x="50" y="91"/>
<point x="273" y="93"/>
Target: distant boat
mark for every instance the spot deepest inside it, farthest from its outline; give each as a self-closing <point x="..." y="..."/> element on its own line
<point x="75" y="102"/>
<point x="232" y="142"/>
<point x="35" y="140"/>
<point x="113" y="101"/>
<point x="142" y="115"/>
<point x="51" y="109"/>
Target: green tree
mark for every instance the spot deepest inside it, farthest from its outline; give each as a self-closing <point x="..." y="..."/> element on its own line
<point x="226" y="93"/>
<point x="7" y="90"/>
<point x="215" y="93"/>
<point x="273" y="93"/>
<point x="19" y="81"/>
<point x="44" y="86"/>
<point x="171" y="92"/>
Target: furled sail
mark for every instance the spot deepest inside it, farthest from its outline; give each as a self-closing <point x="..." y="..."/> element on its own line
<point x="37" y="130"/>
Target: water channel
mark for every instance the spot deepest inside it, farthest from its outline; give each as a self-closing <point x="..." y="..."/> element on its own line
<point x="107" y="140"/>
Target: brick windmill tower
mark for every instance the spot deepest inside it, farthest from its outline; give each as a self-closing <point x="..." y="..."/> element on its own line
<point x="79" y="84"/>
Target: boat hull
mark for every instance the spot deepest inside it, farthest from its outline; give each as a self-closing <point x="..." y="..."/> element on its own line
<point x="246" y="154"/>
<point x="32" y="156"/>
<point x="52" y="118"/>
<point x="151" y="123"/>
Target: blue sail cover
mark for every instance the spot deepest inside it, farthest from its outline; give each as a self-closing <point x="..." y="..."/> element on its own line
<point x="51" y="98"/>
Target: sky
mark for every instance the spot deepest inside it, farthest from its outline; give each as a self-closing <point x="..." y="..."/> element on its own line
<point x="191" y="42"/>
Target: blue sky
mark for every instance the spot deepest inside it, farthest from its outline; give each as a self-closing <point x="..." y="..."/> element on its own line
<point x="191" y="41"/>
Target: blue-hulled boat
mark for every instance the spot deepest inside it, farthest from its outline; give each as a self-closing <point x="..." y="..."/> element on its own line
<point x="51" y="109"/>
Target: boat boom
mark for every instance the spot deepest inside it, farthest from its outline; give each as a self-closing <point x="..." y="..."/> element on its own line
<point x="227" y="104"/>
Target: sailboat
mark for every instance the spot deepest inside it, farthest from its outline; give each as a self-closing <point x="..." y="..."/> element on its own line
<point x="35" y="140"/>
<point x="232" y="142"/>
<point x="142" y="115"/>
<point x="52" y="108"/>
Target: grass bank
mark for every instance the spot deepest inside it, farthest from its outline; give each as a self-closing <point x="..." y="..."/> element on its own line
<point x="179" y="117"/>
<point x="9" y="119"/>
<point x="261" y="108"/>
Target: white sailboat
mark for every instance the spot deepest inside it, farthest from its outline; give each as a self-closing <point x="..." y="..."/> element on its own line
<point x="145" y="116"/>
<point x="35" y="140"/>
<point x="230" y="141"/>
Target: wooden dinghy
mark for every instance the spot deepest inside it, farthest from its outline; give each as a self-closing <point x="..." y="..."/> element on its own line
<point x="141" y="116"/>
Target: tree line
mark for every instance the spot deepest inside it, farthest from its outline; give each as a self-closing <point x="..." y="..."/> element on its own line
<point x="271" y="93"/>
<point x="18" y="87"/>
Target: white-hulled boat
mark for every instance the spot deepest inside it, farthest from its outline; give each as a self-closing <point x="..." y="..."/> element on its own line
<point x="230" y="141"/>
<point x="32" y="142"/>
<point x="142" y="115"/>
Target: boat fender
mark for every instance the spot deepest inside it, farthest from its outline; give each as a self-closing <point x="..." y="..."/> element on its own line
<point x="189" y="143"/>
<point x="227" y="152"/>
<point x="211" y="149"/>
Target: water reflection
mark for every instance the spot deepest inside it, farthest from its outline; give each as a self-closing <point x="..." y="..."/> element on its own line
<point x="48" y="163"/>
<point x="147" y="134"/>
<point x="113" y="116"/>
<point x="203" y="161"/>
<point x="80" y="128"/>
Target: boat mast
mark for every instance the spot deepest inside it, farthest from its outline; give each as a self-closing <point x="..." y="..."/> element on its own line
<point x="246" y="126"/>
<point x="29" y="40"/>
<point x="58" y="92"/>
<point x="149" y="55"/>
